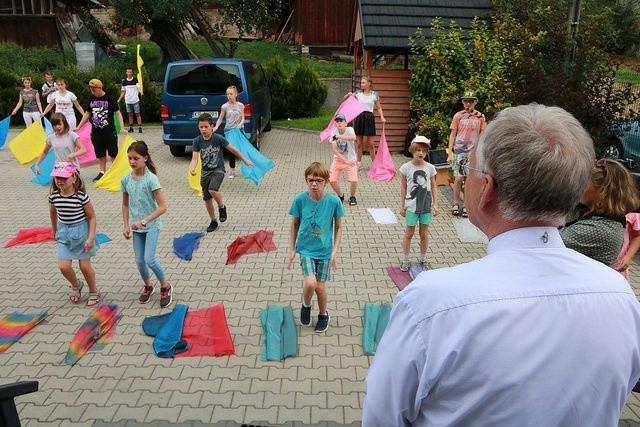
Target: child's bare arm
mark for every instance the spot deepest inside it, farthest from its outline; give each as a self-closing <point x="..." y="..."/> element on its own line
<point x="403" y="193"/>
<point x="434" y="193"/>
<point x="91" y="217"/>
<point x="337" y="238"/>
<point x="293" y="235"/>
<point x="125" y="216"/>
<point x="54" y="218"/>
<point x="634" y="245"/>
<point x="194" y="163"/>
<point x="239" y="155"/>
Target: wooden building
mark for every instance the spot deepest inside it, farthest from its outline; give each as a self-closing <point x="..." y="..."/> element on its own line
<point x="322" y="23"/>
<point x="48" y="23"/>
<point x="379" y="36"/>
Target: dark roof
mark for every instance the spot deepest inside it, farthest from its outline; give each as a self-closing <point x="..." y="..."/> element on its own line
<point x="388" y="24"/>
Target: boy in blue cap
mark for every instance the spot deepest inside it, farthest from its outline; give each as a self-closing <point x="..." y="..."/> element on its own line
<point x="343" y="141"/>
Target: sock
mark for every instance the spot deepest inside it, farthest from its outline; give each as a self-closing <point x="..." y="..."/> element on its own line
<point x="405" y="257"/>
<point x="101" y="171"/>
<point x="423" y="257"/>
<point x="221" y="206"/>
<point x="305" y="305"/>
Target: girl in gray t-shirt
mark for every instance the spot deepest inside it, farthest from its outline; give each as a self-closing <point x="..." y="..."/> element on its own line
<point x="233" y="110"/>
<point x="29" y="100"/>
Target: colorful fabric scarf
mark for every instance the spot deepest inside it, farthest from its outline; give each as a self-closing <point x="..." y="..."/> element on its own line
<point x="98" y="329"/>
<point x="15" y="325"/>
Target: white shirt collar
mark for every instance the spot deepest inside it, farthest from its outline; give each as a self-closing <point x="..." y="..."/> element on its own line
<point x="526" y="237"/>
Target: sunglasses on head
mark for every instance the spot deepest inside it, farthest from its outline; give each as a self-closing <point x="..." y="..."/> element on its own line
<point x="602" y="165"/>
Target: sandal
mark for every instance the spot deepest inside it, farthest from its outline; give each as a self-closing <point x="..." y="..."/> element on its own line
<point x="464" y="212"/>
<point x="76" y="293"/>
<point x="455" y="210"/>
<point x="94" y="298"/>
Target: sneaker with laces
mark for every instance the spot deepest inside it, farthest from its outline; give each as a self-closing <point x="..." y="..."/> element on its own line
<point x="139" y="129"/>
<point x="305" y="315"/>
<point x="212" y="226"/>
<point x="146" y="294"/>
<point x="341" y="198"/>
<point x="97" y="178"/>
<point x="404" y="265"/>
<point x="323" y="322"/>
<point x="352" y="201"/>
<point x="232" y="174"/>
<point x="222" y="212"/>
<point x="424" y="265"/>
<point x="166" y="296"/>
<point x="130" y="129"/>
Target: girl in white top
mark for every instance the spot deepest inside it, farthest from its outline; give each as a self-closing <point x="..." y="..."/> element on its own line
<point x="66" y="144"/>
<point x="365" y="125"/>
<point x="234" y="112"/>
<point x="64" y="101"/>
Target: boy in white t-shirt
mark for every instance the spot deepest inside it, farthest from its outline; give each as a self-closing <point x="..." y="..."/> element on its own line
<point x="131" y="92"/>
<point x="344" y="158"/>
<point x="419" y="199"/>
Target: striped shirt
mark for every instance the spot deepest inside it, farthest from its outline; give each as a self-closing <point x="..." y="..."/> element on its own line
<point x="70" y="209"/>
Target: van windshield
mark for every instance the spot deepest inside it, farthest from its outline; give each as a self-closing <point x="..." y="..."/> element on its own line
<point x="203" y="79"/>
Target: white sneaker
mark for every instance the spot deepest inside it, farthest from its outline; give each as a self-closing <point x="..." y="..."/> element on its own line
<point x="359" y="166"/>
<point x="232" y="174"/>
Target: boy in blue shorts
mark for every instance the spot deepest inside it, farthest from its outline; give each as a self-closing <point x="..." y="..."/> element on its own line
<point x="419" y="199"/>
<point x="316" y="231"/>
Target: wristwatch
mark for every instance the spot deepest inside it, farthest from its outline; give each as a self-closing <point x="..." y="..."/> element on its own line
<point x="143" y="222"/>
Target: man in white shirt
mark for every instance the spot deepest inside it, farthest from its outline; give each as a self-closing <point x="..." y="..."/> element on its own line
<point x="533" y="334"/>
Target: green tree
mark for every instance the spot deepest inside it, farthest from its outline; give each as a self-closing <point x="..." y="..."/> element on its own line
<point x="251" y="16"/>
<point x="529" y="54"/>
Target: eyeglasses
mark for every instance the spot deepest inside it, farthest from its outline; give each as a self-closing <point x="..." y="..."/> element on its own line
<point x="602" y="164"/>
<point x="315" y="181"/>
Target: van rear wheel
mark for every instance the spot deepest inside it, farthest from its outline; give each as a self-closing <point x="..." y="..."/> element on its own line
<point x="177" y="150"/>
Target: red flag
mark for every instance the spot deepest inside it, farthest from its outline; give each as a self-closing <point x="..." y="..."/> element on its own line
<point x="262" y="241"/>
<point x="32" y="235"/>
<point x="207" y="333"/>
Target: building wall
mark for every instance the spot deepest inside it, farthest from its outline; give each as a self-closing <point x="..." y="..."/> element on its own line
<point x="323" y="23"/>
<point x="42" y="30"/>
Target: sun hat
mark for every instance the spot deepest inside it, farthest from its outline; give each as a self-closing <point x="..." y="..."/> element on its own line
<point x="419" y="139"/>
<point x="340" y="117"/>
<point x="64" y="169"/>
<point x="95" y="83"/>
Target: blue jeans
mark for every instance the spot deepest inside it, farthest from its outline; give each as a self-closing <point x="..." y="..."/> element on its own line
<point x="144" y="248"/>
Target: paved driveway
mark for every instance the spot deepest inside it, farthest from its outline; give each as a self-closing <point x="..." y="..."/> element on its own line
<point x="126" y="384"/>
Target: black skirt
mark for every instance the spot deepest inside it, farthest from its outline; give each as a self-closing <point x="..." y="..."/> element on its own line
<point x="365" y="124"/>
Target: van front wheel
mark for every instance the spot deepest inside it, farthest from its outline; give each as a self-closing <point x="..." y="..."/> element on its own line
<point x="177" y="150"/>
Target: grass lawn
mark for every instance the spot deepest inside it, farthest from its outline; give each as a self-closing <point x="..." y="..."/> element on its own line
<point x="309" y="123"/>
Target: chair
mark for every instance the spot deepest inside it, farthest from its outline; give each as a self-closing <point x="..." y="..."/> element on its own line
<point x="8" y="412"/>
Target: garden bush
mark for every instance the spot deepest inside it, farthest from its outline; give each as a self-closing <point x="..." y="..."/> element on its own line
<point x="306" y="92"/>
<point x="279" y="86"/>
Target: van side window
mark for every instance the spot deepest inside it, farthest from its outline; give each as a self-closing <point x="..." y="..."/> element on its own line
<point x="203" y="79"/>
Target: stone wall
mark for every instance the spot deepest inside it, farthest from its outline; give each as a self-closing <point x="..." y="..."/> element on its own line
<point x="337" y="89"/>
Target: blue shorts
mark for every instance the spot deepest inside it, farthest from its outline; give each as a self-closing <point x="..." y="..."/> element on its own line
<point x="71" y="239"/>
<point x="413" y="218"/>
<point x="321" y="268"/>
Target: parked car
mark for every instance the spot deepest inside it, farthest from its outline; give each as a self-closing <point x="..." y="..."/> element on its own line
<point x="194" y="87"/>
<point x="622" y="142"/>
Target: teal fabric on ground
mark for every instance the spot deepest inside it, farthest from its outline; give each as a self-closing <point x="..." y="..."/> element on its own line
<point x="279" y="333"/>
<point x="289" y="334"/>
<point x="376" y="318"/>
<point x="167" y="341"/>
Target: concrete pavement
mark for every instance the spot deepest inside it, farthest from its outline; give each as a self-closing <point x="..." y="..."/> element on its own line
<point x="126" y="384"/>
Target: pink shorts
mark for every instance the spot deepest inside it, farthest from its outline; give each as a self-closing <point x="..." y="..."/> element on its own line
<point x="338" y="166"/>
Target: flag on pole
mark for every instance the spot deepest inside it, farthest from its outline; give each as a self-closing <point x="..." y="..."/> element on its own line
<point x="140" y="64"/>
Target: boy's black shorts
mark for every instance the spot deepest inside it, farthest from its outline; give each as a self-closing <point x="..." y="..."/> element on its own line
<point x="104" y="142"/>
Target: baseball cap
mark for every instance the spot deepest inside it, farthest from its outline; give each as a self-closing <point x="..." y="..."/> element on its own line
<point x="419" y="139"/>
<point x="340" y="117"/>
<point x="95" y="83"/>
<point x="469" y="94"/>
<point x="64" y="169"/>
